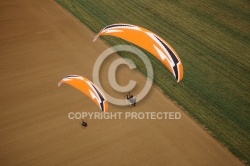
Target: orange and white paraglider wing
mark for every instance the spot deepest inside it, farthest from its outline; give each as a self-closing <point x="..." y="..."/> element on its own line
<point x="88" y="88"/>
<point x="148" y="41"/>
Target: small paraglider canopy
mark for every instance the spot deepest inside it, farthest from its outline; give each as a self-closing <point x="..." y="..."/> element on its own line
<point x="88" y="88"/>
<point x="148" y="41"/>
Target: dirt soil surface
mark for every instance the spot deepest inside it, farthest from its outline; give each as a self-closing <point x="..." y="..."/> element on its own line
<point x="40" y="43"/>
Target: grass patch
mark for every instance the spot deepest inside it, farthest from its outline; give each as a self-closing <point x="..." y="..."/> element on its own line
<point x="212" y="39"/>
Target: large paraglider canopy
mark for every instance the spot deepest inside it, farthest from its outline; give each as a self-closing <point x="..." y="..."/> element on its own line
<point x="88" y="88"/>
<point x="148" y="41"/>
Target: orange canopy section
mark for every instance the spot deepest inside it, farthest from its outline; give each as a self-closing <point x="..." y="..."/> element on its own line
<point x="88" y="88"/>
<point x="148" y="41"/>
